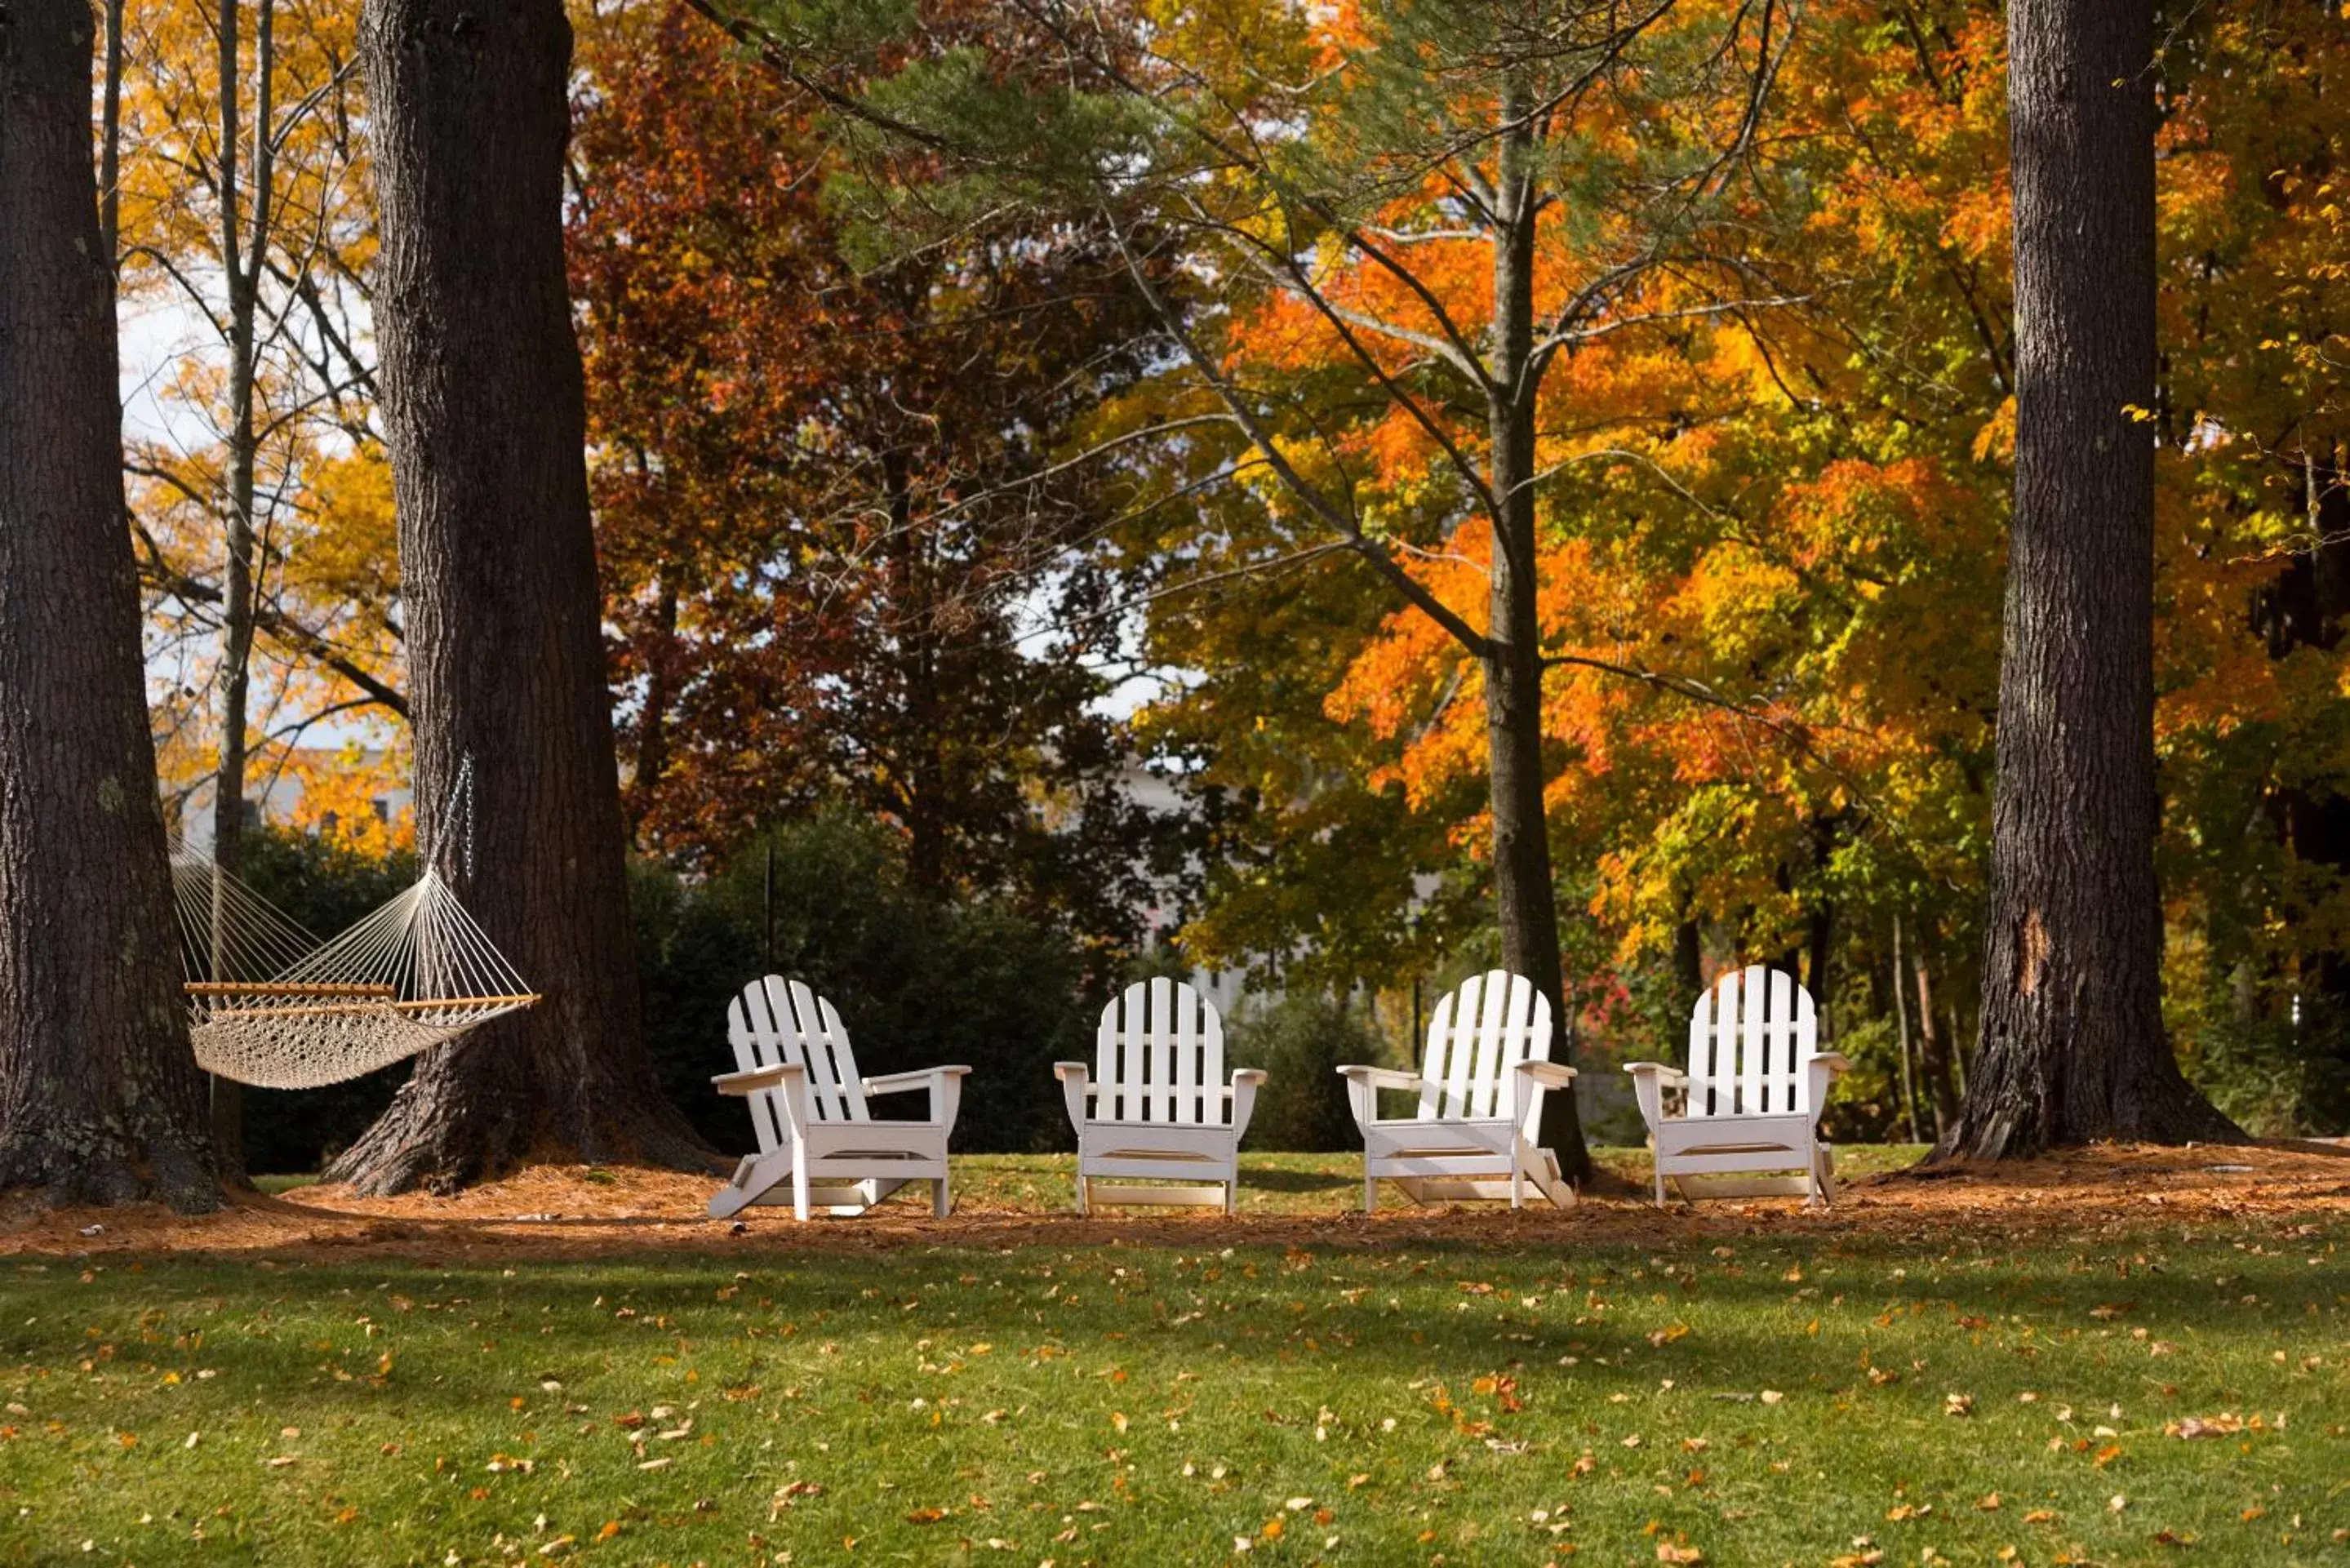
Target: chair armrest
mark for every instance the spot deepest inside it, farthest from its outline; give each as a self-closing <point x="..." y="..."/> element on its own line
<point x="758" y="1080"/>
<point x="1364" y="1084"/>
<point x="788" y="1079"/>
<point x="945" y="1084"/>
<point x="1244" y="1086"/>
<point x="1819" y="1080"/>
<point x="1650" y="1082"/>
<point x="899" y="1083"/>
<point x="1549" y="1075"/>
<point x="1074" y="1090"/>
<point x="1381" y="1077"/>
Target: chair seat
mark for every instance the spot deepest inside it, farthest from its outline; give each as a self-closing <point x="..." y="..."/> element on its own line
<point x="1175" y="1139"/>
<point x="1735" y="1134"/>
<point x="1433" y="1137"/>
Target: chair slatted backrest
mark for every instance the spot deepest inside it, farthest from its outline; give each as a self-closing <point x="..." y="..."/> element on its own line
<point x="1476" y="1038"/>
<point x="1750" y="1037"/>
<point x="775" y="1021"/>
<point x="1158" y="1056"/>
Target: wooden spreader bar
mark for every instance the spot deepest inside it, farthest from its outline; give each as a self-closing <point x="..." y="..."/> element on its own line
<point x="275" y="988"/>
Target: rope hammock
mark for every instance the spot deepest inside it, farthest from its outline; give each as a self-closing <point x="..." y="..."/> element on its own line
<point x="270" y="1005"/>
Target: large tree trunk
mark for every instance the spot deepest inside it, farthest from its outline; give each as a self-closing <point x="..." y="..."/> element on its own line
<point x="1524" y="893"/>
<point x="99" y="1099"/>
<point x="2072" y="1045"/>
<point x="484" y="411"/>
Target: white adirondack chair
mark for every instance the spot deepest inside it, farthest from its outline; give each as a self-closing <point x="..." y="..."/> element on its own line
<point x="1752" y="1098"/>
<point x="1481" y="1088"/>
<point x="819" y="1148"/>
<point x="1154" y="1107"/>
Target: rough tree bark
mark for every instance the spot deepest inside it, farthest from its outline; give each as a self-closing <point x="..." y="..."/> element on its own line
<point x="99" y="1098"/>
<point x="484" y="411"/>
<point x="1525" y="894"/>
<point x="2072" y="1044"/>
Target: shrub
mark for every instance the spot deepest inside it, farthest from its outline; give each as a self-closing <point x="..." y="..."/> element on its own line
<point x="1301" y="1041"/>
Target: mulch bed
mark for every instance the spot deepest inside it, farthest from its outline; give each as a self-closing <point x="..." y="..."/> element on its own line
<point x="559" y="1211"/>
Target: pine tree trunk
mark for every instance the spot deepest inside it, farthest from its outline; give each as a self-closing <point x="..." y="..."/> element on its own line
<point x="2308" y="605"/>
<point x="236" y="578"/>
<point x="2072" y="1044"/>
<point x="1524" y="891"/>
<point x="485" y="412"/>
<point x="1934" y="1042"/>
<point x="1901" y="1021"/>
<point x="99" y="1099"/>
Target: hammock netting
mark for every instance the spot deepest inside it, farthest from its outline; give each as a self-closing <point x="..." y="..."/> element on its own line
<point x="270" y="1005"/>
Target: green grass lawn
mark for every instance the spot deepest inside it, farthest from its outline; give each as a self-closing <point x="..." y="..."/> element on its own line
<point x="1806" y="1400"/>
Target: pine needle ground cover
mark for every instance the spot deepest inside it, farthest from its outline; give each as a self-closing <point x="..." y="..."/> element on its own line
<point x="2122" y="1392"/>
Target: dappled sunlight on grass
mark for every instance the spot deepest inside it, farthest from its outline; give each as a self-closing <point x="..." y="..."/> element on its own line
<point x="1802" y="1398"/>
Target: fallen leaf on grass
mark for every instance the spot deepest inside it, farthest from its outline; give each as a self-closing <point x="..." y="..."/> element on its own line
<point x="926" y="1515"/>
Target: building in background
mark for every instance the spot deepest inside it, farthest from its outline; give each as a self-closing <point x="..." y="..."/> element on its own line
<point x="354" y="794"/>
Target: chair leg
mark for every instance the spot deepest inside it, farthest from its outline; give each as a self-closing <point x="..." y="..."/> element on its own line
<point x="1661" y="1184"/>
<point x="1232" y="1194"/>
<point x="1081" y="1190"/>
<point x="1823" y="1175"/>
<point x="737" y="1194"/>
<point x="1517" y="1179"/>
<point x="799" y="1182"/>
<point x="941" y="1202"/>
<point x="1370" y="1189"/>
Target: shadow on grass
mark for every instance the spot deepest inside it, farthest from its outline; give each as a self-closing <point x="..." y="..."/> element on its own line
<point x="1273" y="1181"/>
